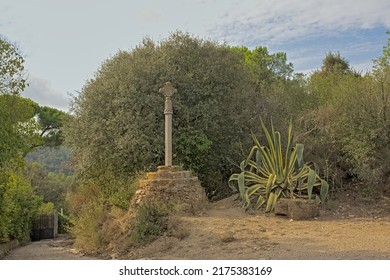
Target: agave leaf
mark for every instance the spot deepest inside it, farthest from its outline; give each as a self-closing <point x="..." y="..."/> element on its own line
<point x="243" y="165"/>
<point x="263" y="172"/>
<point x="324" y="190"/>
<point x="254" y="188"/>
<point x="258" y="159"/>
<point x="299" y="148"/>
<point x="291" y="161"/>
<point x="289" y="145"/>
<point x="271" y="144"/>
<point x="311" y="178"/>
<point x="241" y="183"/>
<point x="250" y="176"/>
<point x="252" y="164"/>
<point x="260" y="202"/>
<point x="255" y="140"/>
<point x="269" y="202"/>
<point x="233" y="177"/>
<point x="252" y="152"/>
<point x="272" y="200"/>
<point x="247" y="201"/>
<point x="267" y="161"/>
<point x="303" y="172"/>
<point x="278" y="154"/>
<point x="270" y="183"/>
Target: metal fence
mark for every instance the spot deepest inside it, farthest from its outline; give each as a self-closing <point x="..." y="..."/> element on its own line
<point x="45" y="227"/>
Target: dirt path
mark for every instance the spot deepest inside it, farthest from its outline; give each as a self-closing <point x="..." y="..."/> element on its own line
<point x="49" y="249"/>
<point x="226" y="232"/>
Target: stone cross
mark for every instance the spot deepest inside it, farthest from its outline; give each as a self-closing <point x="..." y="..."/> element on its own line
<point x="168" y="91"/>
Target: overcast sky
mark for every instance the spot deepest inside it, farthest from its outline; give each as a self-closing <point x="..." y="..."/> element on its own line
<point x="65" y="42"/>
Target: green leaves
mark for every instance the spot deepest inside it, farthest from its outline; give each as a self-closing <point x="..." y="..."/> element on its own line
<point x="118" y="122"/>
<point x="51" y="121"/>
<point x="18" y="206"/>
<point x="25" y="125"/>
<point x="12" y="75"/>
<point x="268" y="173"/>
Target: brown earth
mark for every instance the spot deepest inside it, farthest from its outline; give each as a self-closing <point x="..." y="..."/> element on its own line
<point x="225" y="231"/>
<point x="348" y="230"/>
<point x="60" y="248"/>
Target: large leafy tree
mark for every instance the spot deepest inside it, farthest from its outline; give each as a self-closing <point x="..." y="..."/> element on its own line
<point x="347" y="129"/>
<point x="118" y="123"/>
<point x="50" y="122"/>
<point x="334" y="63"/>
<point x="18" y="203"/>
<point x="278" y="93"/>
<point x="12" y="74"/>
<point x="25" y="125"/>
<point x="17" y="127"/>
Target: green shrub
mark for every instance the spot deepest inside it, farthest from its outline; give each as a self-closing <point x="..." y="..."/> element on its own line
<point x="90" y="205"/>
<point x="46" y="209"/>
<point x="271" y="171"/>
<point x="87" y="209"/>
<point x="151" y="221"/>
<point x="193" y="148"/>
<point x="18" y="206"/>
<point x="65" y="223"/>
<point x="122" y="191"/>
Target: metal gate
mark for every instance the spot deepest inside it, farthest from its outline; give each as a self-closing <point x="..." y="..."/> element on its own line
<point x="45" y="227"/>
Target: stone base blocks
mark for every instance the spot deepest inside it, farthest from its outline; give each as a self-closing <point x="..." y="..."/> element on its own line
<point x="297" y="209"/>
<point x="172" y="185"/>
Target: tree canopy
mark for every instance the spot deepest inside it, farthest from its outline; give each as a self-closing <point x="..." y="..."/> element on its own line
<point x="118" y="117"/>
<point x="18" y="202"/>
<point x="12" y="74"/>
<point x="26" y="125"/>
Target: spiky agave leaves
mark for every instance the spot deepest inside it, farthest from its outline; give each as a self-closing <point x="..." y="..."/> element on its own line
<point x="270" y="172"/>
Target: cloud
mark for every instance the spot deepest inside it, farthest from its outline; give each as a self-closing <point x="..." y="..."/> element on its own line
<point x="280" y="21"/>
<point x="42" y="92"/>
<point x="150" y="15"/>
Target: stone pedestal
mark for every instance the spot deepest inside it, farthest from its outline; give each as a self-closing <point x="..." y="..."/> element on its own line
<point x="172" y="185"/>
<point x="297" y="209"/>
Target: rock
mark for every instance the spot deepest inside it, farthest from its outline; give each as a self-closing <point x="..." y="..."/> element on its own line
<point x="227" y="236"/>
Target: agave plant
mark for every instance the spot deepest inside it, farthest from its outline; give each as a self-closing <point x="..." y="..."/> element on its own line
<point x="271" y="172"/>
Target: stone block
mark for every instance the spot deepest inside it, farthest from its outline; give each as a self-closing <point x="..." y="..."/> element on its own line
<point x="297" y="209"/>
<point x="177" y="187"/>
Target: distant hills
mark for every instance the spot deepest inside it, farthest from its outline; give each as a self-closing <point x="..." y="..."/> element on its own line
<point x="52" y="159"/>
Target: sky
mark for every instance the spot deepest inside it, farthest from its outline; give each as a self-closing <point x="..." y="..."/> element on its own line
<point x="65" y="42"/>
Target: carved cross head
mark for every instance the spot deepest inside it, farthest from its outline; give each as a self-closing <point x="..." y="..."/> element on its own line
<point x="168" y="90"/>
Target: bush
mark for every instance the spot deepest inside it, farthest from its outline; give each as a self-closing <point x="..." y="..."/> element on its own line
<point x="118" y="117"/>
<point x="65" y="223"/>
<point x="151" y="221"/>
<point x="90" y="205"/>
<point x="18" y="206"/>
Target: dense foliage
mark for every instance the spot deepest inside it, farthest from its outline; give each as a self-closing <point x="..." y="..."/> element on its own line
<point x="24" y="125"/>
<point x="18" y="206"/>
<point x="346" y="127"/>
<point x="52" y="186"/>
<point x="57" y="160"/>
<point x="12" y="75"/>
<point x="119" y="123"/>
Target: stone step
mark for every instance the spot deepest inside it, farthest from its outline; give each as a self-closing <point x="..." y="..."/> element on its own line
<point x="168" y="181"/>
<point x="168" y="175"/>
